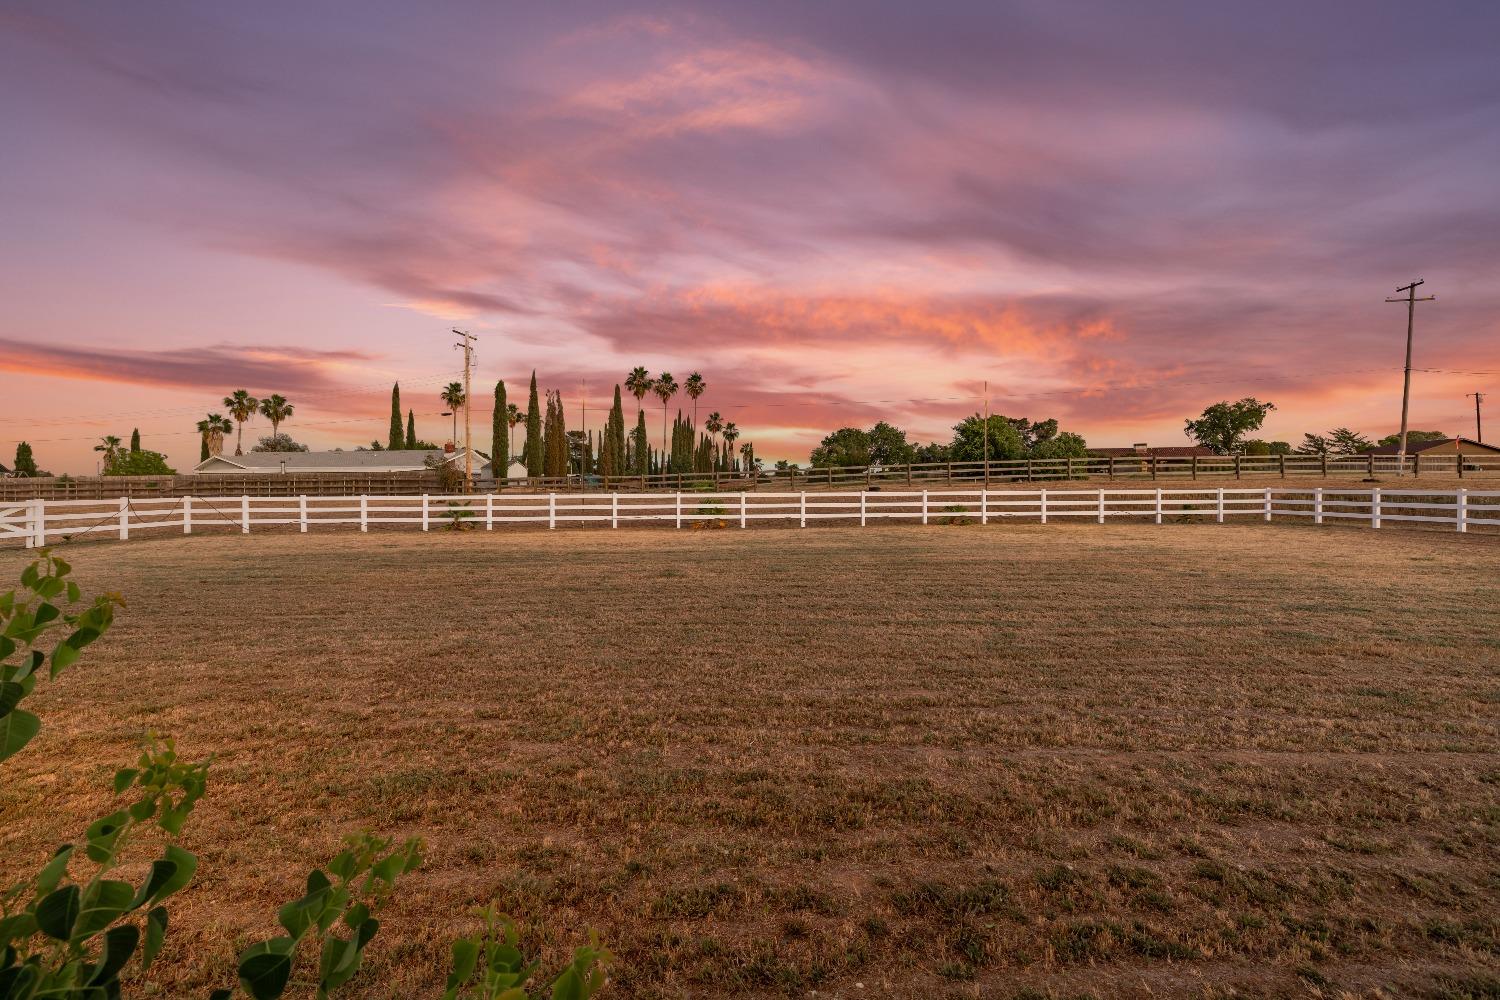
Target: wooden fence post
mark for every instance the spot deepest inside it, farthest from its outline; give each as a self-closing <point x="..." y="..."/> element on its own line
<point x="364" y="512"/>
<point x="1195" y="467"/>
<point x="1318" y="505"/>
<point x="1152" y="460"/>
<point x="1375" y="508"/>
<point x="1461" y="502"/>
<point x="1282" y="457"/>
<point x="1416" y="465"/>
<point x="302" y="512"/>
<point x="187" y="515"/>
<point x="1236" y="465"/>
<point x="1459" y="461"/>
<point x="950" y="473"/>
<point x="1111" y="467"/>
<point x="1371" y="466"/>
<point x="1070" y="467"/>
<point x="124" y="519"/>
<point x="245" y="514"/>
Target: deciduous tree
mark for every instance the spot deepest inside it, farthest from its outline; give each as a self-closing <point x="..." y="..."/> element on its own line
<point x="1222" y="427"/>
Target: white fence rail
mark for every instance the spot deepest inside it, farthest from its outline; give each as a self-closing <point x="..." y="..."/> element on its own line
<point x="42" y="522"/>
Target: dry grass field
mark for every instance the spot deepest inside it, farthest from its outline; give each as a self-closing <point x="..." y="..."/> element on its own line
<point x="954" y="761"/>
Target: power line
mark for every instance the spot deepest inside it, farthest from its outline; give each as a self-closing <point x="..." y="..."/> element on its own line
<point x="1411" y="301"/>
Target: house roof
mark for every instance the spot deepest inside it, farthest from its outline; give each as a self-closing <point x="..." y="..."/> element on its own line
<point x="1166" y="451"/>
<point x="1413" y="447"/>
<point x="414" y="460"/>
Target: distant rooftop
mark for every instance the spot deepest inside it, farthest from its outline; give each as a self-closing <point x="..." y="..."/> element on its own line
<point x="325" y="461"/>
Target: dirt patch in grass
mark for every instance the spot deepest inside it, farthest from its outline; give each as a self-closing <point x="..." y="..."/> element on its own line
<point x="966" y="761"/>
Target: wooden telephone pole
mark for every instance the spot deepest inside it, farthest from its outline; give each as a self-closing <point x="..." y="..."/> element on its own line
<point x="1478" y="422"/>
<point x="466" y="343"/>
<point x="1411" y="300"/>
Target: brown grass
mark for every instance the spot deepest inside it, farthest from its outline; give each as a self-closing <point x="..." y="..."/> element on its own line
<point x="944" y="761"/>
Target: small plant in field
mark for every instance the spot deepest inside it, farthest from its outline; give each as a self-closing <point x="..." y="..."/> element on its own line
<point x="70" y="931"/>
<point x="957" y="514"/>
<point x="459" y="517"/>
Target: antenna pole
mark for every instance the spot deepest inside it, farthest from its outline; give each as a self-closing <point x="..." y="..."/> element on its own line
<point x="466" y="342"/>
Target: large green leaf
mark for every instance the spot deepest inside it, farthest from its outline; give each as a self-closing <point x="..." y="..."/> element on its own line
<point x="103" y="903"/>
<point x="17" y="727"/>
<point x="119" y="945"/>
<point x="161" y="873"/>
<point x="11" y="694"/>
<point x="266" y="967"/>
<point x="156" y="933"/>
<point x="187" y="865"/>
<point x="58" y="912"/>
<point x="53" y="871"/>
<point x="102" y="834"/>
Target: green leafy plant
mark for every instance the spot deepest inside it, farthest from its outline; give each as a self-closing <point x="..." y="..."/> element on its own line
<point x="490" y="966"/>
<point x="459" y="515"/>
<point x="358" y="880"/>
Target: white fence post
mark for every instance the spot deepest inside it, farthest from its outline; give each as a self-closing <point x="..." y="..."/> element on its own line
<point x="364" y="512"/>
<point x="802" y="510"/>
<point x="924" y="506"/>
<point x="984" y="507"/>
<point x="1375" y="508"/>
<point x="1219" y="511"/>
<point x="424" y="512"/>
<point x="861" y="509"/>
<point x="302" y="513"/>
<point x="30" y="533"/>
<point x="187" y="515"/>
<point x="1158" y="505"/>
<point x="41" y="522"/>
<point x="1101" y="506"/>
<point x="742" y="509"/>
<point x="614" y="510"/>
<point x="551" y="511"/>
<point x="124" y="520"/>
<point x="1268" y="503"/>
<point x="1461" y="501"/>
<point x="1044" y="506"/>
<point x="245" y="514"/>
<point x="679" y="510"/>
<point x="1318" y="505"/>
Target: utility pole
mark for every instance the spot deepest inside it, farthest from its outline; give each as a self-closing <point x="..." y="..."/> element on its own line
<point x="986" y="432"/>
<point x="1411" y="300"/>
<point x="1478" y="423"/>
<point x="466" y="343"/>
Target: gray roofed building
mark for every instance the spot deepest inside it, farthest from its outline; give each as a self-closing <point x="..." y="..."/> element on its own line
<point x="414" y="460"/>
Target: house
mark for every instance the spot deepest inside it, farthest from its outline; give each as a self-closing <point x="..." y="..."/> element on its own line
<point x="315" y="462"/>
<point x="1144" y="450"/>
<point x="1442" y="446"/>
<point x="517" y="470"/>
<point x="4" y="471"/>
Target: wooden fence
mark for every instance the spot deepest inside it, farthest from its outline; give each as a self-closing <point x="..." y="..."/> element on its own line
<point x="44" y="522"/>
<point x="930" y="474"/>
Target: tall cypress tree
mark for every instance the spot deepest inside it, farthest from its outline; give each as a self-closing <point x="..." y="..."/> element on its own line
<point x="556" y="440"/>
<point x="394" y="440"/>
<point x="135" y="439"/>
<point x="640" y="446"/>
<point x="499" y="435"/>
<point x="535" y="456"/>
<point x="411" y="429"/>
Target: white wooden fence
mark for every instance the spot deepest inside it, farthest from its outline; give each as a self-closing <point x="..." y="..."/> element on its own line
<point x="43" y="522"/>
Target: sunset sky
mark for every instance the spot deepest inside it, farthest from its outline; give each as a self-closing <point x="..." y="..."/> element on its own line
<point x="837" y="212"/>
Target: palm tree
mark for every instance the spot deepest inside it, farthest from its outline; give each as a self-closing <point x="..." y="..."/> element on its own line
<point x="109" y="444"/>
<point x="241" y="407"/>
<point x="665" y="387"/>
<point x="274" y="408"/>
<point x="714" y="425"/>
<point x="453" y="396"/>
<point x="694" y="385"/>
<point x="513" y="416"/>
<point x="213" y="430"/>
<point x="730" y="433"/>
<point x="639" y="383"/>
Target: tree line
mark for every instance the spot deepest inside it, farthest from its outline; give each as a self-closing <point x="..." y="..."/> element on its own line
<point x="998" y="437"/>
<point x="1224" y="429"/>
